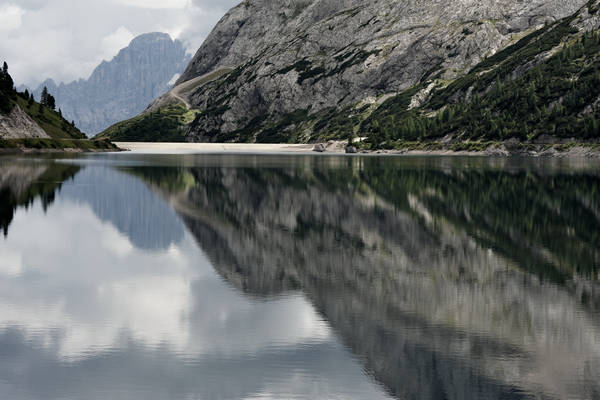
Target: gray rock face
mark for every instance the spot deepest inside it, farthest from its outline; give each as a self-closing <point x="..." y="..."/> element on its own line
<point x="123" y="87"/>
<point x="319" y="148"/>
<point x="312" y="55"/>
<point x="17" y="124"/>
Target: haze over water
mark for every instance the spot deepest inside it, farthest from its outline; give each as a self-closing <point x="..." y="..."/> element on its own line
<point x="134" y="276"/>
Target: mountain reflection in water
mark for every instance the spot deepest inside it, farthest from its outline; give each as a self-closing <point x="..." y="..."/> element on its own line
<point x="445" y="278"/>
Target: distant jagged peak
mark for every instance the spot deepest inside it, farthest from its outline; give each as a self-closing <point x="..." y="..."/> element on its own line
<point x="123" y="86"/>
<point x="151" y="37"/>
<point x="49" y="83"/>
<point x="150" y="40"/>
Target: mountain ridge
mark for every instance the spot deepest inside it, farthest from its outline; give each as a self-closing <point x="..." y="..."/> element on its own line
<point x="122" y="87"/>
<point x="313" y="70"/>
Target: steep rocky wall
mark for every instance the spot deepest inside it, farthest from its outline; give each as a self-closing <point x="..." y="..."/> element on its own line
<point x="309" y="56"/>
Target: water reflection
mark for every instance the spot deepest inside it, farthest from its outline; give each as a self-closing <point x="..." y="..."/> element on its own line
<point x="140" y="215"/>
<point x="250" y="277"/>
<point x="22" y="182"/>
<point x="443" y="280"/>
<point x="86" y="313"/>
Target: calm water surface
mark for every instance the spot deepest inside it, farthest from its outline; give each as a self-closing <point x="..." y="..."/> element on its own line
<point x="299" y="277"/>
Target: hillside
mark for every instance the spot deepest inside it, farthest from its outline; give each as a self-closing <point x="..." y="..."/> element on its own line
<point x="162" y="125"/>
<point x="23" y="117"/>
<point x="123" y="87"/>
<point x="545" y="88"/>
<point x="395" y="71"/>
<point x="26" y="125"/>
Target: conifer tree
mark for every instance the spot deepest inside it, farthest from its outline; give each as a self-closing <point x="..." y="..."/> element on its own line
<point x="51" y="102"/>
<point x="44" y="97"/>
<point x="6" y="82"/>
<point x="6" y="89"/>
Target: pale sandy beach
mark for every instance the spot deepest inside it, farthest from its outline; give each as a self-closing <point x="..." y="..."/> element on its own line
<point x="338" y="147"/>
<point x="219" y="148"/>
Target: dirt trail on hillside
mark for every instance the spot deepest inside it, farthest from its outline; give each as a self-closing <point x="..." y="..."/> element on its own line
<point x="182" y="91"/>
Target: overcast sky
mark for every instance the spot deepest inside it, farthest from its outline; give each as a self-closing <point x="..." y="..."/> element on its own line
<point x="66" y="39"/>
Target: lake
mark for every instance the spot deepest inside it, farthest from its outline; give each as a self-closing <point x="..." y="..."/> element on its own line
<point x="154" y="276"/>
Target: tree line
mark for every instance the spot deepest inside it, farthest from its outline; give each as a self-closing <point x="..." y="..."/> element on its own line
<point x="8" y="96"/>
<point x="558" y="97"/>
<point x="7" y="90"/>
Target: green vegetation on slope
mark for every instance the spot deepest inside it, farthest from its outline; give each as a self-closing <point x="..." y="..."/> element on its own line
<point x="546" y="83"/>
<point x="51" y="145"/>
<point x="559" y="96"/>
<point x="164" y="125"/>
<point x="49" y="120"/>
<point x="43" y="113"/>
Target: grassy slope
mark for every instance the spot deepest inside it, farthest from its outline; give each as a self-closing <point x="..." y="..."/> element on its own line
<point x="34" y="144"/>
<point x="50" y="121"/>
<point x="63" y="135"/>
<point x="165" y="125"/>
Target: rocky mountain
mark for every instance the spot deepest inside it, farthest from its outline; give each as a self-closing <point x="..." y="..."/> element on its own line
<point x="123" y="87"/>
<point x="307" y="70"/>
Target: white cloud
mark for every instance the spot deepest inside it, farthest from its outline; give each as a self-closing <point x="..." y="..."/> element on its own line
<point x="65" y="39"/>
<point x="168" y="297"/>
<point x="159" y="4"/>
<point x="112" y="43"/>
<point x="10" y="17"/>
<point x="174" y="79"/>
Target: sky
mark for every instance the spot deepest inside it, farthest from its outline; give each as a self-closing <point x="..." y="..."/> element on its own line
<point x="66" y="39"/>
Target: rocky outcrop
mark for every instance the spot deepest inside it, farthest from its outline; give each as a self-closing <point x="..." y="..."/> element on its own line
<point x="300" y="57"/>
<point x="17" y="124"/>
<point x="122" y="88"/>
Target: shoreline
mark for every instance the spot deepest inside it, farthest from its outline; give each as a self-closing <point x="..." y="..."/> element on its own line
<point x="208" y="148"/>
<point x="48" y="146"/>
<point x="587" y="150"/>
